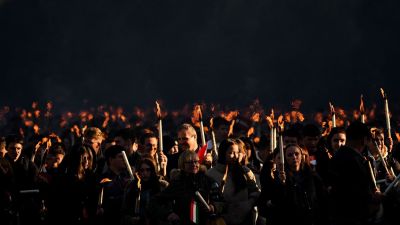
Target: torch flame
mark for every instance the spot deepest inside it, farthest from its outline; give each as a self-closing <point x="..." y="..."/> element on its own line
<point x="250" y="131"/>
<point x="255" y="117"/>
<point x="332" y="109"/>
<point x="281" y="123"/>
<point x="270" y="119"/>
<point x="158" y="110"/>
<point x="362" y="109"/>
<point x="105" y="180"/>
<point x="383" y="93"/>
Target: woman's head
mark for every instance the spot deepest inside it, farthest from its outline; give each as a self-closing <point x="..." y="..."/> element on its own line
<point x="228" y="151"/>
<point x="146" y="168"/>
<point x="189" y="162"/>
<point x="295" y="157"/>
<point x="336" y="138"/>
<point x="81" y="160"/>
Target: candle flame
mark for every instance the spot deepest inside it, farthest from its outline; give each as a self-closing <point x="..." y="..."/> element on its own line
<point x="231" y="128"/>
<point x="36" y="129"/>
<point x="397" y="136"/>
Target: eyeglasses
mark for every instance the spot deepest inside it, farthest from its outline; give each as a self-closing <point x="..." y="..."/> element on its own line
<point x="192" y="162"/>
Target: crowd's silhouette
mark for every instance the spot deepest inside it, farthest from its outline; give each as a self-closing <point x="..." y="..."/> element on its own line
<point x="204" y="164"/>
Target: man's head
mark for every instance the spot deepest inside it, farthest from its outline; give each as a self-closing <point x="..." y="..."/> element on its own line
<point x="311" y="136"/>
<point x="150" y="143"/>
<point x="336" y="138"/>
<point x="115" y="159"/>
<point x="187" y="137"/>
<point x="125" y="138"/>
<point x="94" y="137"/>
<point x="291" y="137"/>
<point x="358" y="136"/>
<point x="221" y="128"/>
<point x="14" y="146"/>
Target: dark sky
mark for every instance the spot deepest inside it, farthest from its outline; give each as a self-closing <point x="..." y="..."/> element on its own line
<point x="130" y="52"/>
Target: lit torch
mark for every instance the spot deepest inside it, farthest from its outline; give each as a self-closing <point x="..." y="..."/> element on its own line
<point x="160" y="139"/>
<point x="280" y="130"/>
<point x="362" y="109"/>
<point x="387" y="114"/>
<point x="333" y="114"/>
<point x="203" y="138"/>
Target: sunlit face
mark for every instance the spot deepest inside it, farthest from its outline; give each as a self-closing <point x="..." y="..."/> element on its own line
<point x="192" y="164"/>
<point x="338" y="140"/>
<point x="186" y="140"/>
<point x="151" y="145"/>
<point x="232" y="154"/>
<point x="174" y="149"/>
<point x="95" y="143"/>
<point x="86" y="161"/>
<point x="145" y="172"/>
<point x="293" y="158"/>
<point x="14" y="150"/>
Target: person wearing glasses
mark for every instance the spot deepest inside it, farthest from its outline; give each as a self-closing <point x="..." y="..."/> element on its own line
<point x="179" y="204"/>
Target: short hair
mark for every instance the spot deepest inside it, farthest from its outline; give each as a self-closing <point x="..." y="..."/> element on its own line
<point x="220" y="121"/>
<point x="147" y="136"/>
<point x="112" y="151"/>
<point x="93" y="132"/>
<point x="292" y="132"/>
<point x="189" y="128"/>
<point x="357" y="131"/>
<point x="126" y="134"/>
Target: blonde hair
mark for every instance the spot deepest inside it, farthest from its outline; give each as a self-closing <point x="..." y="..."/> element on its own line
<point x="189" y="128"/>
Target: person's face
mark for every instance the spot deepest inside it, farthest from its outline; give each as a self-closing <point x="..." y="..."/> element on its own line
<point x="293" y="158"/>
<point x="174" y="149"/>
<point x="118" y="162"/>
<point x="86" y="160"/>
<point x="289" y="141"/>
<point x="127" y="144"/>
<point x="144" y="172"/>
<point x="311" y="143"/>
<point x="221" y="132"/>
<point x="186" y="140"/>
<point x="192" y="165"/>
<point x="338" y="140"/>
<point x="232" y="155"/>
<point x="14" y="150"/>
<point x="151" y="146"/>
<point x="95" y="143"/>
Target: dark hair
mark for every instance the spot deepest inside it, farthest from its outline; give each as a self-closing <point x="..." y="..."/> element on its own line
<point x="112" y="151"/>
<point x="292" y="132"/>
<point x="223" y="148"/>
<point x="147" y="136"/>
<point x="220" y="121"/>
<point x="75" y="160"/>
<point x="357" y="131"/>
<point x="335" y="130"/>
<point x="2" y="142"/>
<point x="13" y="138"/>
<point x="126" y="134"/>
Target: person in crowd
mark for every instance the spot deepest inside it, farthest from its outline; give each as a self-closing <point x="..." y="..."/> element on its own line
<point x="237" y="182"/>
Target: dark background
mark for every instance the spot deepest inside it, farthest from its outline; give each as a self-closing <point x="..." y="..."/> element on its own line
<point x="128" y="52"/>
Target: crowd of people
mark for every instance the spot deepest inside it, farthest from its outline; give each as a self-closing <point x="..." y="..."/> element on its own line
<point x="215" y="166"/>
